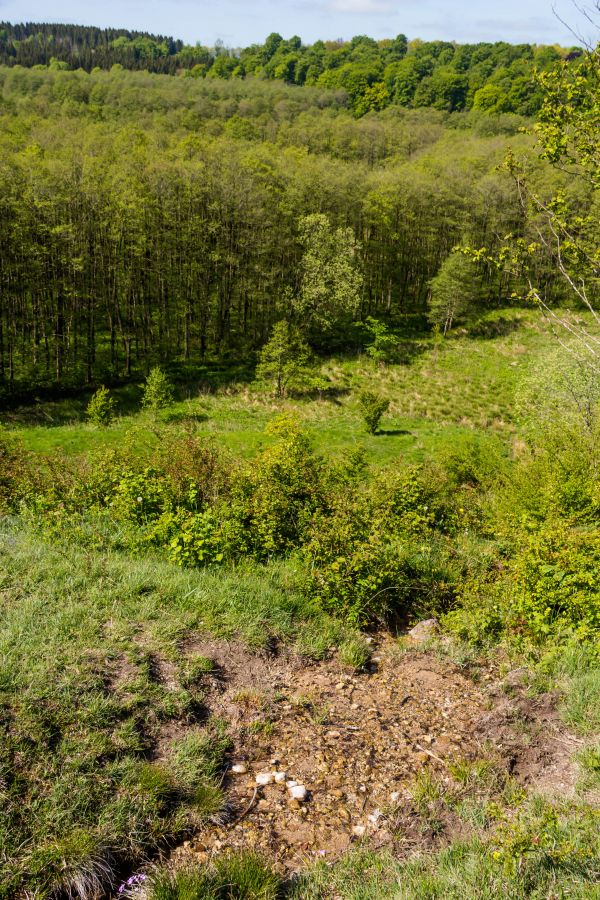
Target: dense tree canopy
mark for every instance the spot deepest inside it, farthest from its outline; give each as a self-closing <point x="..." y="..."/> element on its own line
<point x="152" y="220"/>
<point x="494" y="77"/>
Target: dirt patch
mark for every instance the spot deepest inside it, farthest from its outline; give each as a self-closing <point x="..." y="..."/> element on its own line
<point x="357" y="742"/>
<point x="529" y="734"/>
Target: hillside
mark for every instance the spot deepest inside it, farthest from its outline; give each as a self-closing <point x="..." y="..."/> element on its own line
<point x="372" y="74"/>
<point x="158" y="684"/>
<point x="299" y="454"/>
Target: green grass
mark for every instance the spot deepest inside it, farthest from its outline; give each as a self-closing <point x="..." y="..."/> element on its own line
<point x="551" y="852"/>
<point x="83" y="705"/>
<point x="445" y="389"/>
<point x="86" y="634"/>
<point x="233" y="877"/>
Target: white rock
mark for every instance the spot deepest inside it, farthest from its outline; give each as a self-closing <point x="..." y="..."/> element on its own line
<point x="395" y="796"/>
<point x="279" y="777"/>
<point x="423" y="631"/>
<point x="298" y="792"/>
<point x="358" y="830"/>
<point x="375" y="816"/>
<point x="264" y="778"/>
<point x="239" y="769"/>
<point x="291" y="784"/>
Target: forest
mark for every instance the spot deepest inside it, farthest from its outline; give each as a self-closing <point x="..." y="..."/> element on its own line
<point x="153" y="220"/>
<point x="299" y="454"/>
<point x="493" y="77"/>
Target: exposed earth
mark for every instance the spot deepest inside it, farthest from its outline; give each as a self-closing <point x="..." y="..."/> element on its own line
<point x="357" y="742"/>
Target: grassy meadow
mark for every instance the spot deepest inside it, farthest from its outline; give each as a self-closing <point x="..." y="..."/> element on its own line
<point x="106" y="757"/>
<point x="465" y="382"/>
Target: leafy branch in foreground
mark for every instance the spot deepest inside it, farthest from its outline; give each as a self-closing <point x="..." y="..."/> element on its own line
<point x="560" y="230"/>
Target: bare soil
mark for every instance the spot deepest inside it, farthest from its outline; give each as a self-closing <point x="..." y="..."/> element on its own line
<point x="357" y="741"/>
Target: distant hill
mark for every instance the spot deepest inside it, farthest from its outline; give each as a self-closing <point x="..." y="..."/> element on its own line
<point x="493" y="77"/>
<point x="83" y="47"/>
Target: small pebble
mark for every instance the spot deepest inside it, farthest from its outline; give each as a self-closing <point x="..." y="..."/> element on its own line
<point x="291" y="783"/>
<point x="279" y="777"/>
<point x="375" y="816"/>
<point x="264" y="778"/>
<point x="298" y="792"/>
<point x="395" y="796"/>
<point x="358" y="830"/>
<point x="239" y="769"/>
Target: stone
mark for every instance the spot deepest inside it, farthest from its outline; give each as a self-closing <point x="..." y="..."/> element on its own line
<point x="423" y="632"/>
<point x="239" y="769"/>
<point x="358" y="830"/>
<point x="264" y="778"/>
<point x="279" y="777"/>
<point x="298" y="792"/>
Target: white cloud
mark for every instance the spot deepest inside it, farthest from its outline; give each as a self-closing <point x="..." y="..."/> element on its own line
<point x="363" y="7"/>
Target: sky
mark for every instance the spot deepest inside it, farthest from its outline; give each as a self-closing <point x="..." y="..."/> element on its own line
<point x="241" y="22"/>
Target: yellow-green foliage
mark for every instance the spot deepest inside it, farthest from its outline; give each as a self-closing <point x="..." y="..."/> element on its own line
<point x="101" y="408"/>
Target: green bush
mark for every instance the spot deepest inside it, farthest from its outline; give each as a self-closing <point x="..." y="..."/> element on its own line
<point x="158" y="393"/>
<point x="375" y="553"/>
<point x="194" y="541"/>
<point x="373" y="406"/>
<point x="16" y="473"/>
<point x="101" y="408"/>
<point x="557" y="582"/>
<point x="273" y="500"/>
<point x="384" y="346"/>
<point x="547" y="588"/>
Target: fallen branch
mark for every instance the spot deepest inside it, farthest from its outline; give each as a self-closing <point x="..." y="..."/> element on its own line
<point x="245" y="812"/>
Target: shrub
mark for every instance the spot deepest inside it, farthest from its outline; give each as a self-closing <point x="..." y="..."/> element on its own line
<point x="284" y="361"/>
<point x="557" y="580"/>
<point x="375" y="554"/>
<point x="101" y="408"/>
<point x="158" y="392"/>
<point x="197" y="472"/>
<point x="373" y="406"/>
<point x="274" y="500"/>
<point x="384" y="346"/>
<point x="550" y="588"/>
<point x="194" y="541"/>
<point x="15" y="473"/>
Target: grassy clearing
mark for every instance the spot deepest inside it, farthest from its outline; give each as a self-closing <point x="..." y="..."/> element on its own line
<point x="92" y="678"/>
<point x="442" y="389"/>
